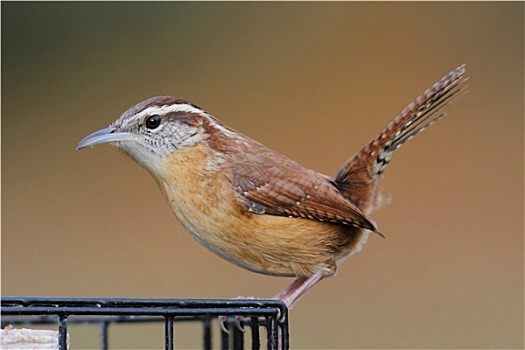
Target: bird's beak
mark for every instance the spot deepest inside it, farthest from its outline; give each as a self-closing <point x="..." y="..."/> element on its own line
<point x="109" y="134"/>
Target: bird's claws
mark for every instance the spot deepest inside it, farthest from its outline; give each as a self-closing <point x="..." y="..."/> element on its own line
<point x="238" y="323"/>
<point x="238" y="319"/>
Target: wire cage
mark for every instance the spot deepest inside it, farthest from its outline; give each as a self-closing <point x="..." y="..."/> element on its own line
<point x="267" y="320"/>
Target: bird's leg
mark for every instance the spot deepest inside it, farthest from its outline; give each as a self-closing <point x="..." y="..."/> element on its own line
<point x="295" y="290"/>
<point x="289" y="295"/>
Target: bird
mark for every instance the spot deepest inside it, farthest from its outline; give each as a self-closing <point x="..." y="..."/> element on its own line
<point x="259" y="209"/>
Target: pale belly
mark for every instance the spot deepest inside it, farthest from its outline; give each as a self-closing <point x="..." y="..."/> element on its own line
<point x="267" y="244"/>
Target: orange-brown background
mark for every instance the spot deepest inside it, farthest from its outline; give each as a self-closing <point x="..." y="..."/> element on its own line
<point x="315" y="81"/>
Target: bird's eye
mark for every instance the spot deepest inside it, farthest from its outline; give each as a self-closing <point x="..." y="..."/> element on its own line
<point x="153" y="122"/>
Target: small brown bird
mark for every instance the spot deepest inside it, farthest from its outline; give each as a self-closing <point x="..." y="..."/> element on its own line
<point x="254" y="207"/>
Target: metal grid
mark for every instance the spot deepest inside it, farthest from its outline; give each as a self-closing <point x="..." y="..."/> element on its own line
<point x="271" y="315"/>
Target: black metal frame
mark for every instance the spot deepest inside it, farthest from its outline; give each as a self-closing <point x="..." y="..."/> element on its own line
<point x="253" y="313"/>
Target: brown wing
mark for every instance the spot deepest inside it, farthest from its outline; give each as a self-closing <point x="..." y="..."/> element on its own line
<point x="286" y="188"/>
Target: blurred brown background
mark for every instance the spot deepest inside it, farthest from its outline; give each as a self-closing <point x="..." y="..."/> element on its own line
<point x="315" y="81"/>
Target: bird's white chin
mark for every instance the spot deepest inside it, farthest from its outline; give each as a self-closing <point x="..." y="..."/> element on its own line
<point x="142" y="155"/>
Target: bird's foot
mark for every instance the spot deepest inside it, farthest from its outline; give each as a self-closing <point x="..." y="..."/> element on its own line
<point x="238" y="323"/>
<point x="238" y="319"/>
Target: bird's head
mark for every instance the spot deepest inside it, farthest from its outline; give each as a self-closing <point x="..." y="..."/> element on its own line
<point x="155" y="128"/>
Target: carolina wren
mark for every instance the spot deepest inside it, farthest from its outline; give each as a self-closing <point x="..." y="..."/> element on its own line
<point x="254" y="207"/>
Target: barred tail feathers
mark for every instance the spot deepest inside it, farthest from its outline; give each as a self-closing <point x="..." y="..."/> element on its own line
<point x="358" y="176"/>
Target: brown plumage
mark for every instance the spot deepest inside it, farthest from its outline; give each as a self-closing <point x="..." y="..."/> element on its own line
<point x="357" y="178"/>
<point x="254" y="207"/>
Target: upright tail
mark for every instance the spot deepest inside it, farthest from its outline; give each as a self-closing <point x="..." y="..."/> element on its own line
<point x="357" y="178"/>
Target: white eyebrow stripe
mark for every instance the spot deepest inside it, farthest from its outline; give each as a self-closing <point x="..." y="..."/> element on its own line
<point x="183" y="107"/>
<point x="165" y="109"/>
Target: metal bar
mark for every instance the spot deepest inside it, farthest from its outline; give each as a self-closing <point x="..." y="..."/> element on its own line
<point x="104" y="325"/>
<point x="207" y="334"/>
<point x="169" y="333"/>
<point x="238" y="335"/>
<point x="273" y="336"/>
<point x="62" y="332"/>
<point x="128" y="302"/>
<point x="256" y="341"/>
<point x="92" y="319"/>
<point x="272" y="313"/>
<point x="144" y="311"/>
<point x="285" y="337"/>
<point x="225" y="344"/>
<point x="283" y="328"/>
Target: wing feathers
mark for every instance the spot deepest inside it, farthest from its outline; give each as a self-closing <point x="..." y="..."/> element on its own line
<point x="287" y="190"/>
